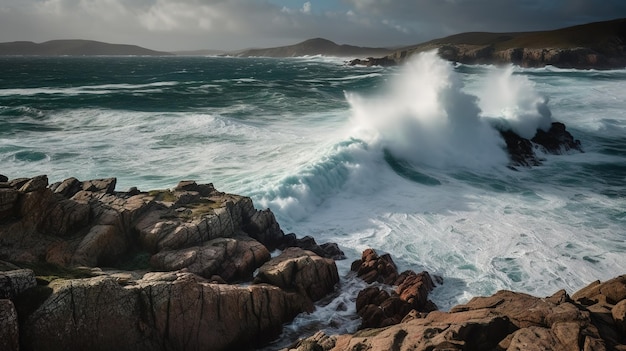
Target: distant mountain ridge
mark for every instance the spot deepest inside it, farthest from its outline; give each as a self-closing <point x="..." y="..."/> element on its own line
<point x="312" y="47"/>
<point x="77" y="47"/>
<point x="600" y="45"/>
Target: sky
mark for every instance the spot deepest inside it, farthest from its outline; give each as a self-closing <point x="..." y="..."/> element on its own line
<point x="171" y="25"/>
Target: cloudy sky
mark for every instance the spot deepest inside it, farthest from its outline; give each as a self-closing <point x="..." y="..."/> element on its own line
<point x="237" y="24"/>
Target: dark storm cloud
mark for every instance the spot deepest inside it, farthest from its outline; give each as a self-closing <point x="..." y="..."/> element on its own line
<point x="236" y="24"/>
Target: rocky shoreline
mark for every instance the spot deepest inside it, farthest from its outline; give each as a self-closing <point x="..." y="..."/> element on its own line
<point x="83" y="266"/>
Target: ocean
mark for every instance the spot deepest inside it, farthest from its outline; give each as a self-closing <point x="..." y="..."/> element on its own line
<point x="401" y="159"/>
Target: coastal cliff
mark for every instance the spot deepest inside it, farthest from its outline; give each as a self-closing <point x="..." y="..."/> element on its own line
<point x="600" y="45"/>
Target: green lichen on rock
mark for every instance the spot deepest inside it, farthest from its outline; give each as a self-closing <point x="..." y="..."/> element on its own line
<point x="163" y="195"/>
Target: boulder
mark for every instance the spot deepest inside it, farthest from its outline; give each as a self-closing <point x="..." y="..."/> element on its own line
<point x="379" y="308"/>
<point x="68" y="188"/>
<point x="9" y="326"/>
<point x="161" y="311"/>
<point x="373" y="268"/>
<point x="619" y="317"/>
<point x="613" y="291"/>
<point x="327" y="250"/>
<point x="37" y="183"/>
<point x="302" y="271"/>
<point x="230" y="258"/>
<point x="14" y="282"/>
<point x="3" y="178"/>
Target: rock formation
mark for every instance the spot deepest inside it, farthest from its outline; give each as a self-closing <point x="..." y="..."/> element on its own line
<point x="556" y="140"/>
<point x="600" y="45"/>
<point x="378" y="307"/>
<point x="197" y="237"/>
<point x="592" y="319"/>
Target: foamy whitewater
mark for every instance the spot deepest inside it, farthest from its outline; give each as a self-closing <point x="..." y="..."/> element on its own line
<point x="403" y="160"/>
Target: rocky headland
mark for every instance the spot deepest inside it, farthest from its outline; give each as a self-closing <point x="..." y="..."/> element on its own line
<point x="84" y="266"/>
<point x="600" y="45"/>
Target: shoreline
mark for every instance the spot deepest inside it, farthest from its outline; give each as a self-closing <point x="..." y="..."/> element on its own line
<point x="185" y="280"/>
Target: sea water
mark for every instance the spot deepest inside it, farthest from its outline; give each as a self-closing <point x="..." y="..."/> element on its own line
<point x="404" y="160"/>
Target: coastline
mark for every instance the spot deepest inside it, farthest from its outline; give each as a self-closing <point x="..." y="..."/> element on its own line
<point x="181" y="276"/>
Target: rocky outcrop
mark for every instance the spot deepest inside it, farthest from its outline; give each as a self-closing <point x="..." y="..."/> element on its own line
<point x="600" y="45"/>
<point x="302" y="271"/>
<point x="503" y="321"/>
<point x="197" y="236"/>
<point x="378" y="307"/>
<point x="373" y="61"/>
<point x="230" y="258"/>
<point x="327" y="250"/>
<point x="161" y="311"/>
<point x="523" y="152"/>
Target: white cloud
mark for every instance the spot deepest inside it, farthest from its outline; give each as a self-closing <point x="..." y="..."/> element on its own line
<point x="306" y="8"/>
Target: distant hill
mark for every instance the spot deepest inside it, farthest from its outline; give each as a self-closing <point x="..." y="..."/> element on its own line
<point x="74" y="48"/>
<point x="599" y="45"/>
<point x="199" y="52"/>
<point x="317" y="46"/>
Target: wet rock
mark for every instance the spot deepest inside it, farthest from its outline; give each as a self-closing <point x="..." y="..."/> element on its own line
<point x="3" y="178"/>
<point x="556" y="140"/>
<point x="522" y="152"/>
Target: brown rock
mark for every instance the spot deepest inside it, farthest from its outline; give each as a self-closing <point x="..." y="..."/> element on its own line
<point x="172" y="311"/>
<point x="230" y="258"/>
<point x="302" y="271"/>
<point x="9" y="327"/>
<point x="68" y="188"/>
<point x="373" y="268"/>
<point x="13" y="283"/>
<point x="376" y="307"/>
<point x="8" y="198"/>
<point x="613" y="291"/>
<point x="100" y="185"/>
<point x="37" y="183"/>
<point x="619" y="316"/>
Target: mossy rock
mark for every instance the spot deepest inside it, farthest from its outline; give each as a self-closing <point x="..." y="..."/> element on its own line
<point x="163" y="195"/>
<point x="46" y="272"/>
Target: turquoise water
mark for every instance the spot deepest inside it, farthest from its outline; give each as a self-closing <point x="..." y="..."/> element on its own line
<point x="403" y="160"/>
